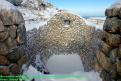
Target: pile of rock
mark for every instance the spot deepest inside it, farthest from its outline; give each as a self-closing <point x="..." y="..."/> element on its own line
<point x="109" y="56"/>
<point x="66" y="32"/>
<point x="12" y="40"/>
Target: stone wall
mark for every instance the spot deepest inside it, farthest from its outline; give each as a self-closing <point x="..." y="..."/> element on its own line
<point x="12" y="41"/>
<point x="66" y="32"/>
<point x="109" y="56"/>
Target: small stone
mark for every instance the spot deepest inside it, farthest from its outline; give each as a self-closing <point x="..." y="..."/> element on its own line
<point x="5" y="71"/>
<point x="105" y="48"/>
<point x="104" y="61"/>
<point x="118" y="67"/>
<point x="12" y="31"/>
<point x="22" y="60"/>
<point x="11" y="43"/>
<point x="15" y="69"/>
<point x="3" y="36"/>
<point x="113" y="55"/>
<point x="3" y="49"/>
<point x="1" y="26"/>
<point x="13" y="56"/>
<point x="4" y="60"/>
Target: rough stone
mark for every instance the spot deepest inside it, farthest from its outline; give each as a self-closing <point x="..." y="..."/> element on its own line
<point x="5" y="71"/>
<point x="15" y="69"/>
<point x="104" y="61"/>
<point x="112" y="25"/>
<point x="105" y="48"/>
<point x="12" y="39"/>
<point x="112" y="40"/>
<point x="112" y="12"/>
<point x="4" y="60"/>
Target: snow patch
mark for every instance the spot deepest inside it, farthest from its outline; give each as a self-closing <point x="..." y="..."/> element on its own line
<point x="6" y="5"/>
<point x="63" y="63"/>
<point x="36" y="18"/>
<point x="94" y="25"/>
<point x="85" y="76"/>
<point x="117" y="4"/>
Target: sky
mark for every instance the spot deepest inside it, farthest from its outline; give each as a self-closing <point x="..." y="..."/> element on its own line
<point x="84" y="7"/>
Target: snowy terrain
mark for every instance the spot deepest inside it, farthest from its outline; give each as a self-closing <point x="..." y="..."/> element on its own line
<point x="6" y="5"/>
<point x="36" y="18"/>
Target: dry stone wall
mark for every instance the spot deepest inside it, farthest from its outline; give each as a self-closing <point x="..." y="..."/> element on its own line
<point x="66" y="32"/>
<point x="12" y="41"/>
<point x="109" y="56"/>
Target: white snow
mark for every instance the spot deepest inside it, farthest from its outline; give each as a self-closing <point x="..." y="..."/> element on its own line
<point x="97" y="26"/>
<point x="65" y="64"/>
<point x="100" y="18"/>
<point x="6" y="5"/>
<point x="84" y="76"/>
<point x="36" y="18"/>
<point x="117" y="4"/>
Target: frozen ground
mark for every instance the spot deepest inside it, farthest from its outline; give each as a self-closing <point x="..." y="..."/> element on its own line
<point x="61" y="66"/>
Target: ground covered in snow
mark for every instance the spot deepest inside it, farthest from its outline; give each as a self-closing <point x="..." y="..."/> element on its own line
<point x="76" y="76"/>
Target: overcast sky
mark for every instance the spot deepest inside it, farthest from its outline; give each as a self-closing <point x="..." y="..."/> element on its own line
<point x="84" y="7"/>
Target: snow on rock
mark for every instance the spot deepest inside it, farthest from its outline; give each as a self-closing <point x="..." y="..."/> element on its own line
<point x="117" y="4"/>
<point x="6" y="5"/>
<point x="36" y="18"/>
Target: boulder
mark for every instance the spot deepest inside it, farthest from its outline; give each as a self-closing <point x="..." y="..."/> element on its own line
<point x="112" y="12"/>
<point x="104" y="61"/>
<point x="105" y="48"/>
<point x="112" y="25"/>
<point x="112" y="40"/>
